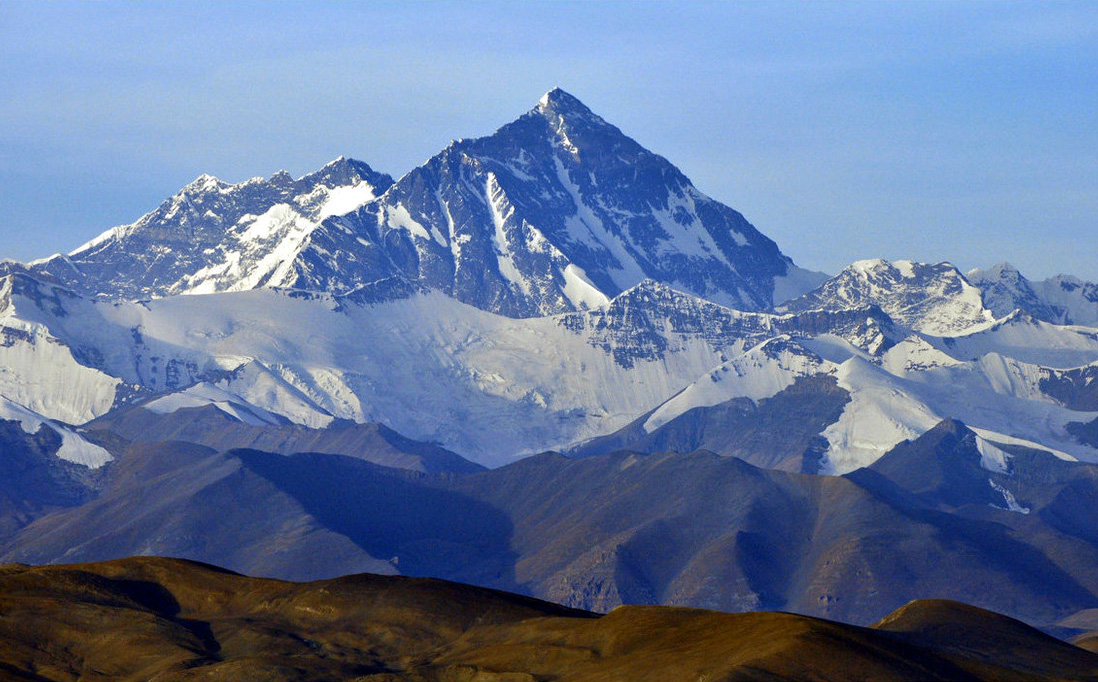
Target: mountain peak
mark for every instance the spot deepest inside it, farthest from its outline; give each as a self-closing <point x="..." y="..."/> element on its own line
<point x="204" y="183"/>
<point x="998" y="271"/>
<point x="558" y="106"/>
<point x="559" y="100"/>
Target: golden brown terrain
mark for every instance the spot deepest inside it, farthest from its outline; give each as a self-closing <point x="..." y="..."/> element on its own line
<point x="167" y="619"/>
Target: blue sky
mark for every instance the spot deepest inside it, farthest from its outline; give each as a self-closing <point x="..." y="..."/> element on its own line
<point x="931" y="131"/>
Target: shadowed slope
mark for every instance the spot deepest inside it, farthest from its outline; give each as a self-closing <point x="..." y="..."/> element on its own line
<point x="301" y="517"/>
<point x="213" y="428"/>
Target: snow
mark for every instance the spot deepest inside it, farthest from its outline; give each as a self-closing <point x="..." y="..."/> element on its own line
<point x="756" y="374"/>
<point x="689" y="240"/>
<point x="501" y="211"/>
<point x="1008" y="497"/>
<point x="906" y="268"/>
<point x="585" y="227"/>
<point x="74" y="448"/>
<point x="915" y="354"/>
<point x="545" y="386"/>
<point x="796" y="282"/>
<point x="991" y="457"/>
<point x="264" y="251"/>
<point x="106" y="236"/>
<point x="1023" y="338"/>
<point x="40" y="373"/>
<point x="880" y="414"/>
<point x="398" y="217"/>
<point x="581" y="291"/>
<point x="1004" y="439"/>
<point x="267" y="390"/>
<point x="203" y="394"/>
<point x="342" y="200"/>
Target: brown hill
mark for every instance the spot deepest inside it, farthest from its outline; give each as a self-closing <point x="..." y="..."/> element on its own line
<point x="171" y="620"/>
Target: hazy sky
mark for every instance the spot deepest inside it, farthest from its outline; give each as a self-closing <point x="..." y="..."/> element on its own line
<point x="931" y="131"/>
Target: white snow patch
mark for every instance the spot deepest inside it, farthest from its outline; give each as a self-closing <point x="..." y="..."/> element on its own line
<point x="501" y="211"/>
<point x="73" y="447"/>
<point x="915" y="354"/>
<point x="580" y="290"/>
<point x="880" y="414"/>
<point x="796" y="282"/>
<point x="399" y="218"/>
<point x="688" y="240"/>
<point x="204" y="394"/>
<point x="906" y="268"/>
<point x="992" y="458"/>
<point x="343" y="200"/>
<point x="1008" y="497"/>
<point x="1004" y="439"/>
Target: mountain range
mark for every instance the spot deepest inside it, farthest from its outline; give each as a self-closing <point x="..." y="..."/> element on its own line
<point x="544" y="361"/>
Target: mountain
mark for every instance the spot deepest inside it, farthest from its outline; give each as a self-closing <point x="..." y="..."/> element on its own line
<point x="346" y="341"/>
<point x="557" y="211"/>
<point x="297" y="517"/>
<point x="934" y="299"/>
<point x="421" y="363"/>
<point x="1060" y="300"/>
<point x="214" y="236"/>
<point x="44" y="467"/>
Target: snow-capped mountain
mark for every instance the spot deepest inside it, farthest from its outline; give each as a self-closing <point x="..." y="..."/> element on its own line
<point x="558" y="211"/>
<point x="1060" y="300"/>
<point x="214" y="236"/>
<point x="930" y="298"/>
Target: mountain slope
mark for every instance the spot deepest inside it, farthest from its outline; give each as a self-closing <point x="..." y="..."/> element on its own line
<point x="213" y="427"/>
<point x="152" y="618"/>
